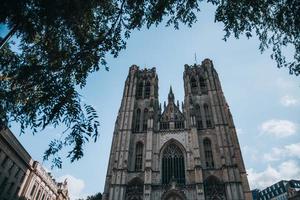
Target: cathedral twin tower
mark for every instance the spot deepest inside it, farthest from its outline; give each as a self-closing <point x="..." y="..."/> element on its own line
<point x="170" y="153"/>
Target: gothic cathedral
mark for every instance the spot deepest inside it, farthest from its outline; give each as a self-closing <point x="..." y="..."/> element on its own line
<point x="187" y="152"/>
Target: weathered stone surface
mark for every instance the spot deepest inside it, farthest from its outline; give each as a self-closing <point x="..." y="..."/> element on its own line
<point x="202" y="132"/>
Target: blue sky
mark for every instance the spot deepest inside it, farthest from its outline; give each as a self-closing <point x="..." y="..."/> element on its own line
<point x="264" y="101"/>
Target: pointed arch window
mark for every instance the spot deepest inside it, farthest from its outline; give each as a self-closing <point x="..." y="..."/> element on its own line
<point x="209" y="160"/>
<point x="198" y="116"/>
<point x="173" y="165"/>
<point x="214" y="189"/>
<point x="193" y="84"/>
<point x="202" y="84"/>
<point x="135" y="190"/>
<point x="138" y="156"/>
<point x="208" y="116"/>
<point x="139" y="92"/>
<point x="137" y="120"/>
<point x="145" y="120"/>
<point x="147" y="89"/>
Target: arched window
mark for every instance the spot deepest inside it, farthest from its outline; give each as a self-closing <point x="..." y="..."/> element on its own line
<point x="193" y="84"/>
<point x="173" y="165"/>
<point x="145" y="119"/>
<point x="214" y="189"/>
<point x="138" y="156"/>
<point x="137" y="120"/>
<point x="135" y="190"/>
<point x="198" y="116"/>
<point x="203" y="86"/>
<point x="147" y="89"/>
<point x="209" y="160"/>
<point x="139" y="92"/>
<point x="208" y="116"/>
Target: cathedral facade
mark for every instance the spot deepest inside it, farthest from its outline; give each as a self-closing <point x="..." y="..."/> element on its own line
<point x="175" y="152"/>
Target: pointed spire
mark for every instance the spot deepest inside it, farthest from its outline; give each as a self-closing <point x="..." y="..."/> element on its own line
<point x="171" y="95"/>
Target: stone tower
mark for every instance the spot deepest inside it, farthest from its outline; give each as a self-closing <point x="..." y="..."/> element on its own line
<point x="173" y="153"/>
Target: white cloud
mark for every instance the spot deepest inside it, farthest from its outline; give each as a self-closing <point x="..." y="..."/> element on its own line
<point x="75" y="186"/>
<point x="291" y="150"/>
<point x="285" y="171"/>
<point x="279" y="128"/>
<point x="289" y="101"/>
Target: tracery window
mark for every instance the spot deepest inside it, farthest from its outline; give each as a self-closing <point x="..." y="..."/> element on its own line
<point x="135" y="190"/>
<point x="202" y="84"/>
<point x="214" y="189"/>
<point x="139" y="93"/>
<point x="198" y="116"/>
<point x="208" y="116"/>
<point x="179" y="124"/>
<point x="138" y="156"/>
<point x="147" y="89"/>
<point x="145" y="119"/>
<point x="209" y="160"/>
<point x="193" y="84"/>
<point x="173" y="165"/>
<point x="164" y="125"/>
<point x="137" y="120"/>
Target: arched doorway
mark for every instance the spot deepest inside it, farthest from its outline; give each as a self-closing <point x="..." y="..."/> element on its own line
<point x="214" y="189"/>
<point x="173" y="194"/>
<point x="135" y="190"/>
<point x="174" y="197"/>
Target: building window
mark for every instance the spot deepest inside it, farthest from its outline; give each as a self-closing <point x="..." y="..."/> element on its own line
<point x="32" y="190"/>
<point x="3" y="185"/>
<point x="139" y="92"/>
<point x="17" y="173"/>
<point x="10" y="188"/>
<point x="198" y="116"/>
<point x="147" y="89"/>
<point x="38" y="195"/>
<point x="138" y="156"/>
<point x="145" y="119"/>
<point x="135" y="190"/>
<point x="214" y="189"/>
<point x="11" y="168"/>
<point x="173" y="165"/>
<point x="137" y="120"/>
<point x="203" y="86"/>
<point x="179" y="124"/>
<point x="164" y="125"/>
<point x="4" y="161"/>
<point x="208" y="116"/>
<point x="193" y="85"/>
<point x="208" y="154"/>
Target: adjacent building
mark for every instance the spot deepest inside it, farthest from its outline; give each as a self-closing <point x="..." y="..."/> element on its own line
<point x="15" y="165"/>
<point x="174" y="152"/>
<point x="282" y="190"/>
<point x="21" y="177"/>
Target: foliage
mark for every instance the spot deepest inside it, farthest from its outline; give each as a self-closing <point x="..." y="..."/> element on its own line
<point x="63" y="41"/>
<point x="97" y="196"/>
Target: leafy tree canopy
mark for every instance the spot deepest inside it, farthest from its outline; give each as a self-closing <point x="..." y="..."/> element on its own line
<point x="97" y="196"/>
<point x="63" y="41"/>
